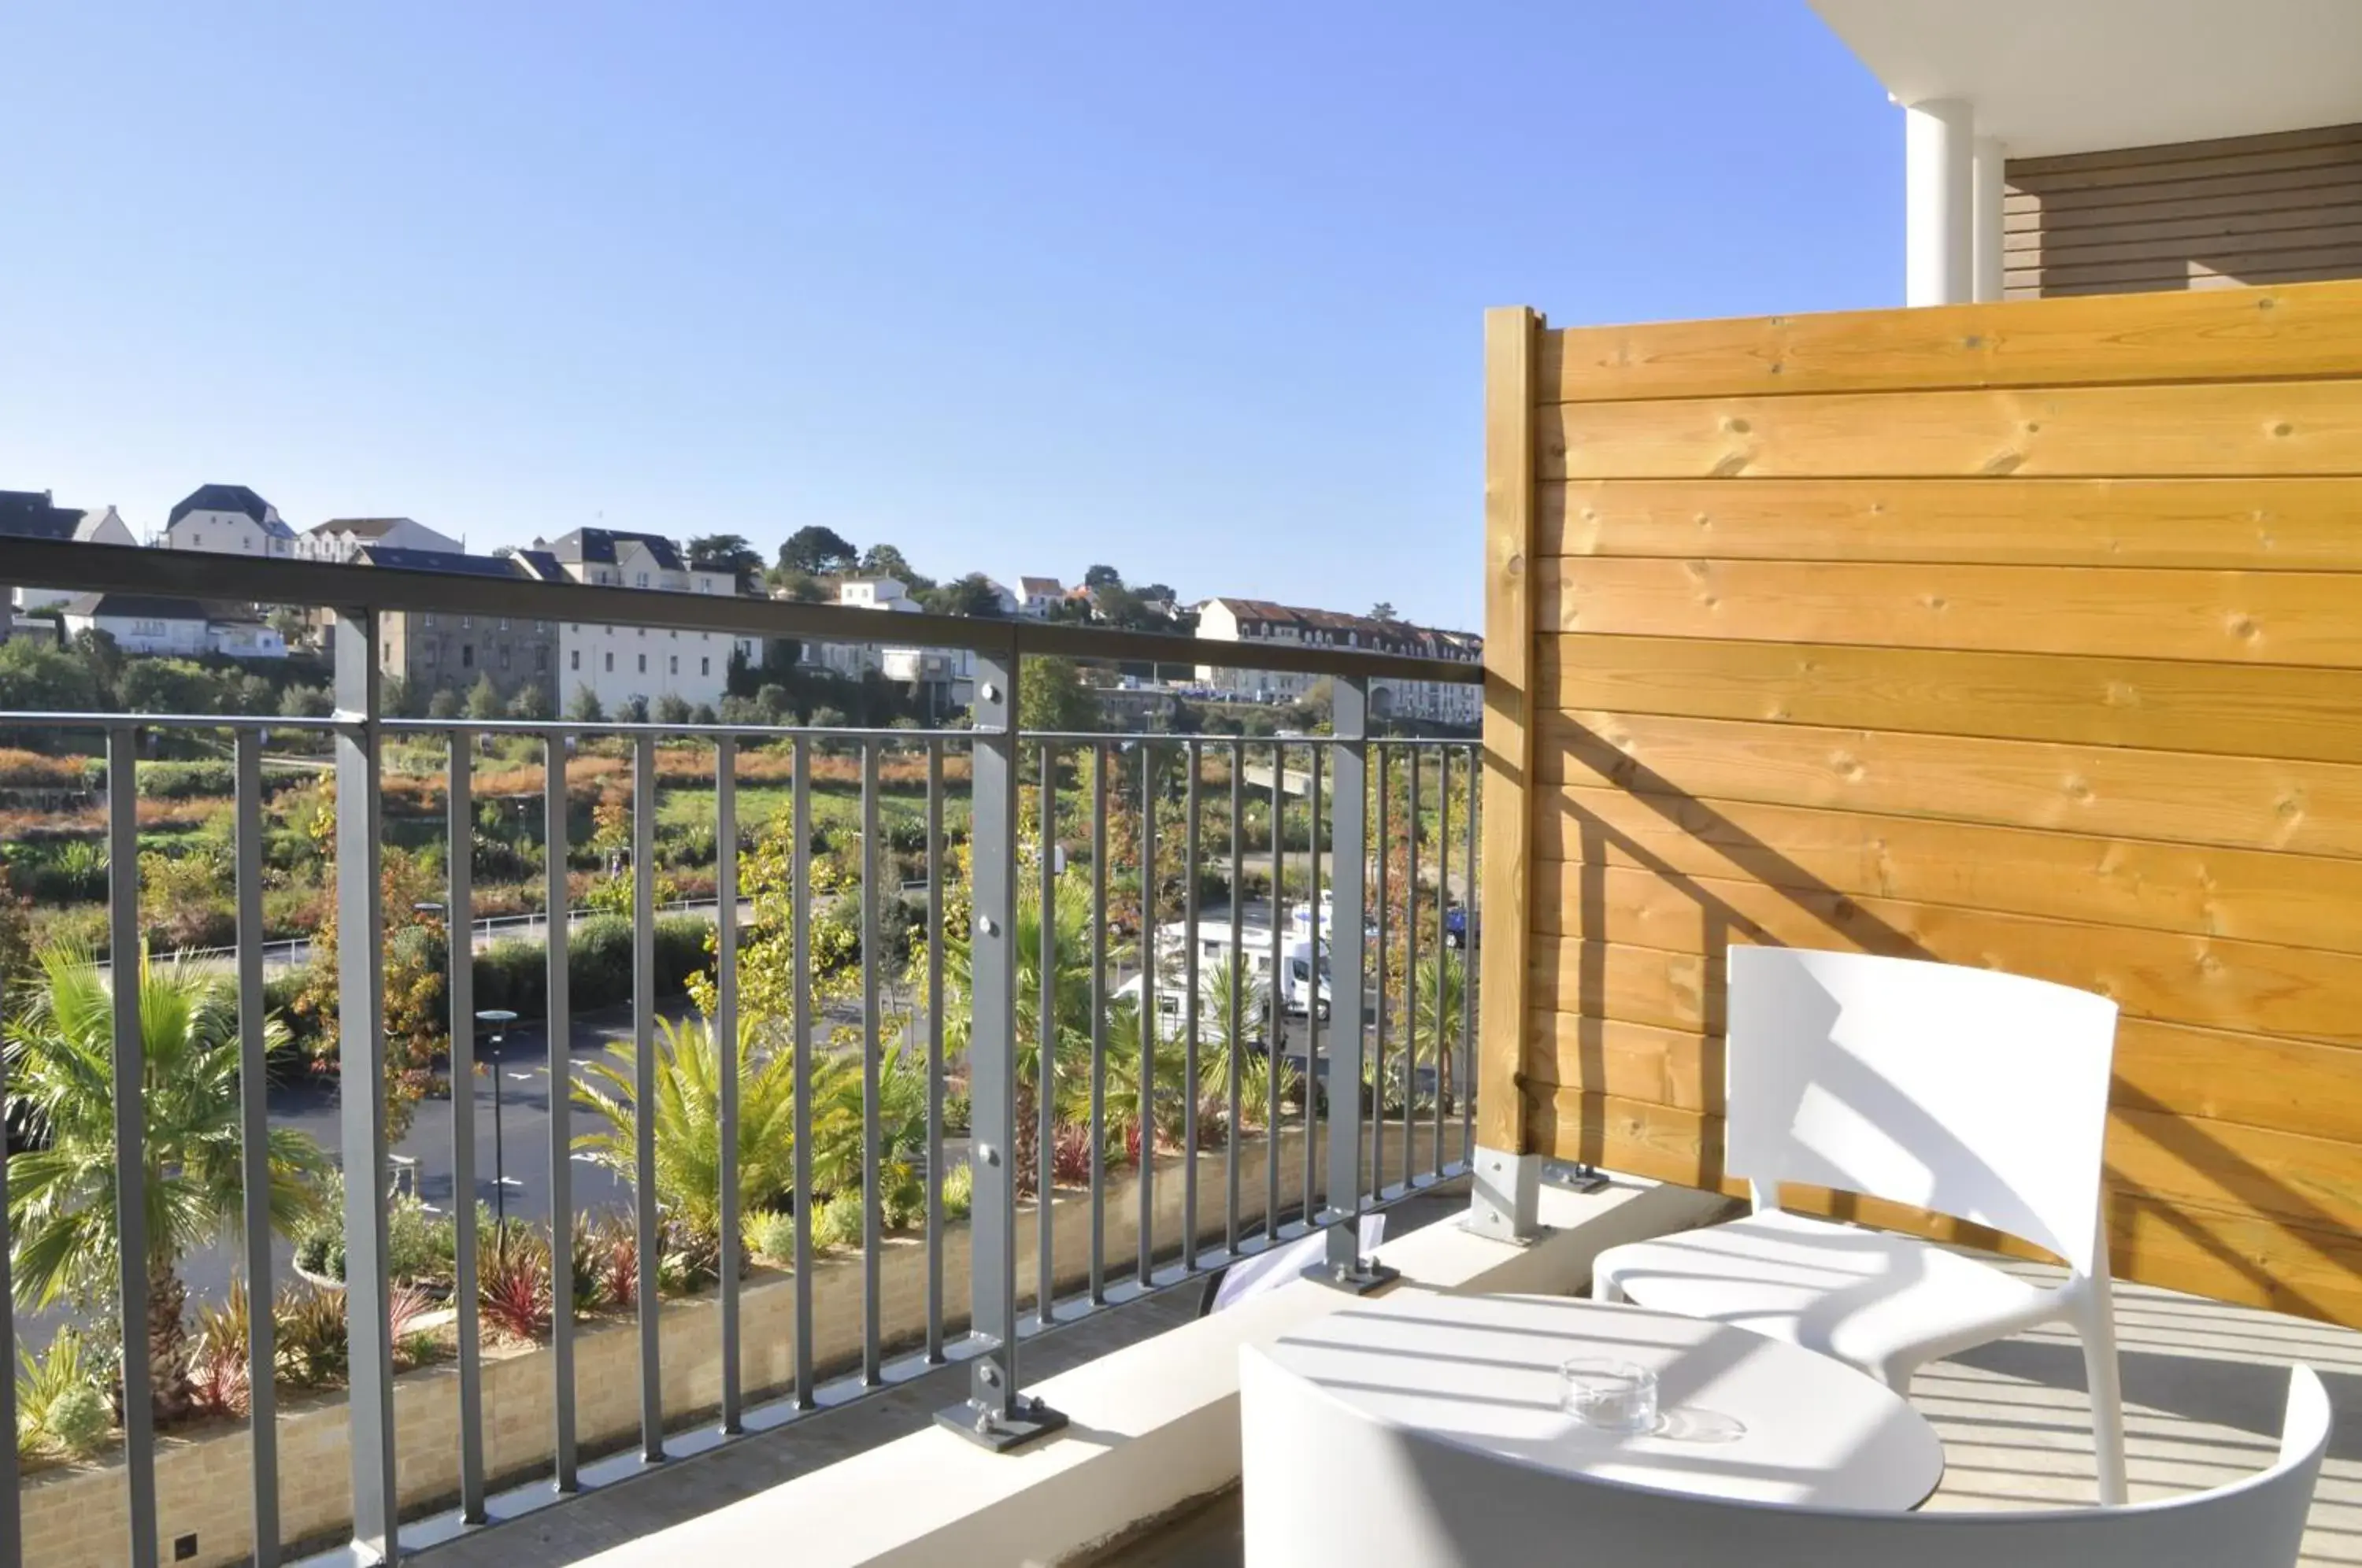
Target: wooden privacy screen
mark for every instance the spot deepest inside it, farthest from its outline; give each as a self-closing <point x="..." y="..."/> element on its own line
<point x="2025" y="635"/>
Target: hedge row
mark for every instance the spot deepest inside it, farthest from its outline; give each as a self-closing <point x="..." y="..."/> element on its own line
<point x="514" y="975"/>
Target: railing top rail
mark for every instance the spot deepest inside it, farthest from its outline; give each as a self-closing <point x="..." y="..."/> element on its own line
<point x="121" y="568"/>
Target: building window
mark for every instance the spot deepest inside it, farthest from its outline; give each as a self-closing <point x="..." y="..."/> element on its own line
<point x="675" y="664"/>
<point x="504" y="623"/>
<point x="574" y="659"/>
<point x="540" y="660"/>
<point x="705" y="667"/>
<point x="430" y="622"/>
<point x="611" y="664"/>
<point x="644" y="664"/>
<point x="431" y="652"/>
<point x="504" y="656"/>
<point x="466" y="623"/>
<point x="467" y="656"/>
<point x="644" y="580"/>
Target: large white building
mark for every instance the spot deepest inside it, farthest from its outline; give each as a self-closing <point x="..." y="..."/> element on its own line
<point x="619" y="663"/>
<point x="951" y="672"/>
<point x="185" y="628"/>
<point x="227" y="519"/>
<point x="343" y="539"/>
<point x="1424" y="702"/>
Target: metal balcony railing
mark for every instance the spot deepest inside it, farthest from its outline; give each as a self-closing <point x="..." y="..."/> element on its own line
<point x="1409" y="1118"/>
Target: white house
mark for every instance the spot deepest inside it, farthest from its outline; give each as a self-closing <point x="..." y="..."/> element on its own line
<point x="227" y="519"/>
<point x="618" y="663"/>
<point x="343" y="539"/>
<point x="1258" y="620"/>
<point x="34" y="514"/>
<point x="183" y="628"/>
<point x="1037" y="596"/>
<point x="948" y="674"/>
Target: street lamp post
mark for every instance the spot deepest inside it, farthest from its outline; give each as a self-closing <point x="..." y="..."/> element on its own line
<point x="498" y="1019"/>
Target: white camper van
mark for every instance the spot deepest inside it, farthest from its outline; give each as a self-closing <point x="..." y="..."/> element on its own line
<point x="1297" y="984"/>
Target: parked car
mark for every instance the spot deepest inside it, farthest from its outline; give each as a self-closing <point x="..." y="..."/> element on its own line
<point x="1458" y="929"/>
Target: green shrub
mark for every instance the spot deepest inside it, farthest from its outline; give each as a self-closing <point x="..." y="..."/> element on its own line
<point x="79" y="1419"/>
<point x="838" y="1223"/>
<point x="418" y="1243"/>
<point x="310" y="1324"/>
<point x="53" y="1394"/>
<point x="771" y="1233"/>
<point x="186" y="780"/>
<point x="959" y="1191"/>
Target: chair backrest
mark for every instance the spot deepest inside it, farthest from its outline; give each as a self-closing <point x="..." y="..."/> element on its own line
<point x="1965" y="1091"/>
<point x="1480" y="1509"/>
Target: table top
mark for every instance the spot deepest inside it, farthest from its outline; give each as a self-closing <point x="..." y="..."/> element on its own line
<point x="1741" y="1415"/>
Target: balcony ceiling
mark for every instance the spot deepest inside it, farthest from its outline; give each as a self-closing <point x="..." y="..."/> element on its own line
<point x="2051" y="76"/>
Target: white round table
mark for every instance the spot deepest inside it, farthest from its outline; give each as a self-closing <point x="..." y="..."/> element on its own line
<point x="1743" y="1416"/>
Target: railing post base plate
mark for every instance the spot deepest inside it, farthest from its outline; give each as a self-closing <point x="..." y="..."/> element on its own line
<point x="1362" y="1276"/>
<point x="988" y="1428"/>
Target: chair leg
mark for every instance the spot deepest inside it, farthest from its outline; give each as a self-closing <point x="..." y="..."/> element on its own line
<point x="2095" y="1321"/>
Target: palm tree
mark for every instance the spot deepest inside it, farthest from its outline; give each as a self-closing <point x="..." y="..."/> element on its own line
<point x="1438" y="995"/>
<point x="62" y="1198"/>
<point x="1214" y="1060"/>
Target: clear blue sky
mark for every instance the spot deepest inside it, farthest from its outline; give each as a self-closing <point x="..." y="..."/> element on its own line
<point x="1190" y="289"/>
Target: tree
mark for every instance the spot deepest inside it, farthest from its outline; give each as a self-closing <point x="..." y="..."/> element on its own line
<point x="531" y="702"/>
<point x="443" y="704"/>
<point x="291" y="623"/>
<point x="393" y="698"/>
<point x="817" y="550"/>
<point x="484" y="699"/>
<point x="105" y="656"/>
<point x="731" y="552"/>
<point x="172" y="686"/>
<point x="1051" y="695"/>
<point x="61" y="1199"/>
<point x="1383" y="610"/>
<point x="886" y="560"/>
<point x="585" y="708"/>
<point x="309" y="702"/>
<point x="36" y="678"/>
<point x="801" y="586"/>
<point x="971" y="595"/>
<point x="634" y="710"/>
<point x="1099" y="577"/>
<point x="672" y="708"/>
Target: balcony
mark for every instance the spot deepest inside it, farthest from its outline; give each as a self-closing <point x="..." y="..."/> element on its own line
<point x="2016" y="637"/>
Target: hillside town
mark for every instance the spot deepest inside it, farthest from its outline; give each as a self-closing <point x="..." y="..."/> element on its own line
<point x="225" y="656"/>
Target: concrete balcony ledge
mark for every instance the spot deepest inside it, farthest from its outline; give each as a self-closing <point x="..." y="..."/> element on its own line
<point x="1153" y="1425"/>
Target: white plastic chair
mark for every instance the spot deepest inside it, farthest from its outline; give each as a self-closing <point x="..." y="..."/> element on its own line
<point x="1422" y="1500"/>
<point x="1963" y="1092"/>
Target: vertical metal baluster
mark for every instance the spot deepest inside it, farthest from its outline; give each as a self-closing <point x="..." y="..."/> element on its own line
<point x="1100" y="758"/>
<point x="1382" y="759"/>
<point x="459" y="925"/>
<point x="647" y="1244"/>
<point x="873" y="1206"/>
<point x="1275" y="1048"/>
<point x="1442" y="888"/>
<point x="1468" y="976"/>
<point x="1410" y="979"/>
<point x="934" y="1050"/>
<point x="800" y="940"/>
<point x="1149" y="1030"/>
<point x="254" y="1149"/>
<point x="125" y="959"/>
<point x="995" y="1414"/>
<point x="360" y="1013"/>
<point x="1344" y="1266"/>
<point x="1312" y="996"/>
<point x="559" y="1029"/>
<point x="1238" y="999"/>
<point x="1196" y="758"/>
<point x="726" y="1049"/>
<point x="1045" y="1064"/>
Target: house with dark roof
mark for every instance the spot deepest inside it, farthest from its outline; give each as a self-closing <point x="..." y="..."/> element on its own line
<point x="227" y="519"/>
<point x="185" y="628"/>
<point x="436" y="650"/>
<point x="341" y="538"/>
<point x="35" y="514"/>
<point x="619" y="664"/>
<point x="1260" y="620"/>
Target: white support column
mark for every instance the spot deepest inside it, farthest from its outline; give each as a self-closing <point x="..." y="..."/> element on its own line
<point x="1938" y="219"/>
<point x="1985" y="217"/>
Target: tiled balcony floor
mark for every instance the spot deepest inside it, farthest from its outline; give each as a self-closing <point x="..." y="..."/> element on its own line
<point x="2203" y="1387"/>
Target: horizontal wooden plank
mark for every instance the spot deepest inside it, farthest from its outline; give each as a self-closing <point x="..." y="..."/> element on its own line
<point x="2209" y="982"/>
<point x="2283" y="524"/>
<point x="2304" y="332"/>
<point x="2239" y="801"/>
<point x="2295" y="900"/>
<point x="2312" y="1181"/>
<point x="2330" y="154"/>
<point x="2311" y="223"/>
<point x="2299" y="197"/>
<point x="2258" y="185"/>
<point x="2248" y="1080"/>
<point x="1642" y="984"/>
<point x="2303" y="618"/>
<point x="2196" y="283"/>
<point x="2161" y="705"/>
<point x="2234" y="429"/>
<point x="2252" y="1259"/>
<point x="2239" y="259"/>
<point x="2346" y="135"/>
